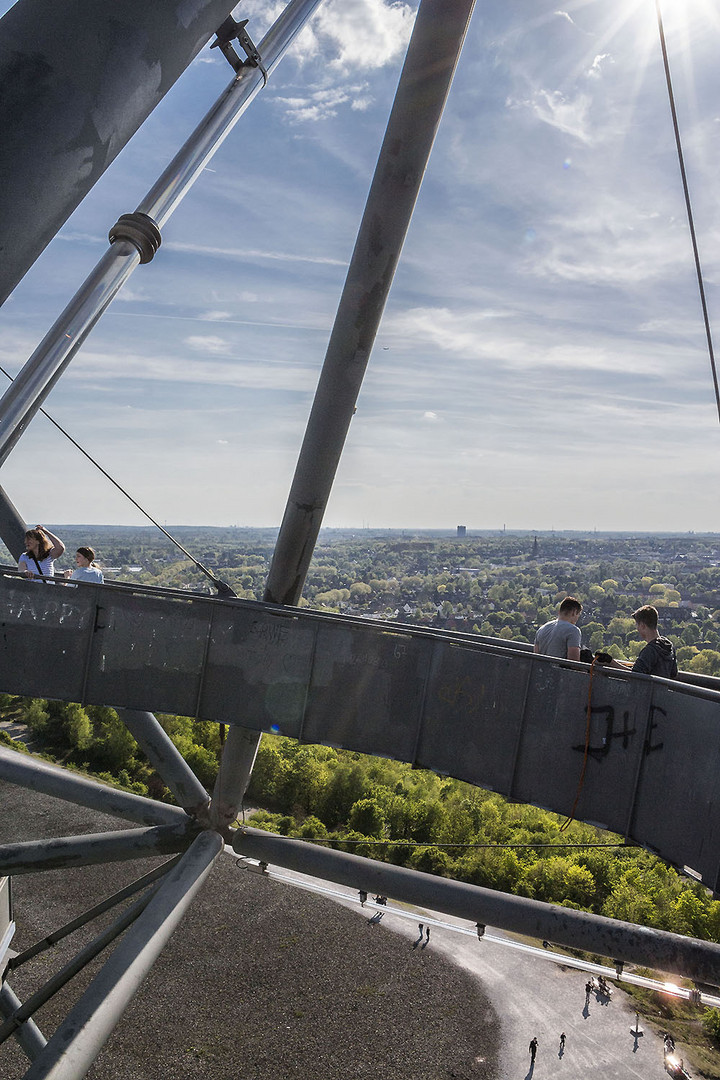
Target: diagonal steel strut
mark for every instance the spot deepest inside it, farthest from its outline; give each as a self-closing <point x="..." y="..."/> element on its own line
<point x="35" y="381"/>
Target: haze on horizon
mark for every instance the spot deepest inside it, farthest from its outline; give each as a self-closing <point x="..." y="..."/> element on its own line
<point x="542" y="361"/>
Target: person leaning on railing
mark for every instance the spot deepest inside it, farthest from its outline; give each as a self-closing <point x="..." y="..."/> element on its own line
<point x="41" y="550"/>
<point x="658" y="656"/>
<point x="561" y="637"/>
<point x="85" y="568"/>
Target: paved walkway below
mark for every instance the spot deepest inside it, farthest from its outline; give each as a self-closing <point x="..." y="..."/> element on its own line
<point x="536" y="998"/>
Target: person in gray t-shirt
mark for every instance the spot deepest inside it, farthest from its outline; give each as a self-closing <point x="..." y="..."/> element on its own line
<point x="561" y="637"/>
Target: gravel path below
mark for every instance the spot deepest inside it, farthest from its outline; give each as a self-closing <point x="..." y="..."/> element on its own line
<point x="261" y="981"/>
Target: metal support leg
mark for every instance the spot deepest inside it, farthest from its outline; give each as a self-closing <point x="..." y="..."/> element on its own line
<point x="29" y="1035"/>
<point x="52" y="780"/>
<point x="167" y="760"/>
<point x="236" y="764"/>
<point x="12" y="526"/>
<point x="36" y="379"/>
<point x="92" y="913"/>
<point x="70" y="970"/>
<point x="63" y="852"/>
<point x="78" y="1040"/>
<point x="688" y="957"/>
<point x="433" y="52"/>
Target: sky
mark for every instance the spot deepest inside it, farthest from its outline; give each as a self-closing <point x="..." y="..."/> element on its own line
<point x="542" y="360"/>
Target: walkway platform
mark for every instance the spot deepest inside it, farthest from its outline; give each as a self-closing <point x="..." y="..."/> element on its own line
<point x="489" y="713"/>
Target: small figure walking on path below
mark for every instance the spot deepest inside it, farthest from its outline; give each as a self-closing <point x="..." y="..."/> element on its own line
<point x="533" y="1050"/>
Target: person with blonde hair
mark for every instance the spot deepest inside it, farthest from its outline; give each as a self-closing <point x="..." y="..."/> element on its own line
<point x="41" y="550"/>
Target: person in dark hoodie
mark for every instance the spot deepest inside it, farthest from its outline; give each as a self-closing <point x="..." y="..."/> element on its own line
<point x="658" y="656"/>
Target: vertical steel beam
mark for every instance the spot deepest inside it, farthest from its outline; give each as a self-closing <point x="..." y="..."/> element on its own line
<point x="36" y="379"/>
<point x="86" y="1029"/>
<point x="52" y="780"/>
<point x="164" y="755"/>
<point x="432" y="55"/>
<point x="236" y="765"/>
<point x="28" y="1034"/>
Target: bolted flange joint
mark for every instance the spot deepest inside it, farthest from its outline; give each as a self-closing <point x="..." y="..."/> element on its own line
<point x="140" y="230"/>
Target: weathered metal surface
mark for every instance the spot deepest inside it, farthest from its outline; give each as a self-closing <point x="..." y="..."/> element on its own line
<point x="673" y="953"/>
<point x="76" y="81"/>
<point x="79" y="961"/>
<point x="75" y="1044"/>
<point x="432" y="55"/>
<point x="71" y="851"/>
<point x="12" y="526"/>
<point x="169" y="763"/>
<point x="87" y="916"/>
<point x="29" y="1036"/>
<point x="236" y="765"/>
<point x="37" y="775"/>
<point x="495" y="716"/>
<point x="24" y="397"/>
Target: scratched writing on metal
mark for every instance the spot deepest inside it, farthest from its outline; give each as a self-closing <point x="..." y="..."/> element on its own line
<point x="601" y="751"/>
<point x="295" y="665"/>
<point x="365" y="659"/>
<point x="462" y="694"/>
<point x="269" y="633"/>
<point x="649" y="744"/>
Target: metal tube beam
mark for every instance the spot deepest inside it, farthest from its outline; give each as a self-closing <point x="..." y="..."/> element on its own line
<point x="236" y="765"/>
<point x="78" y="962"/>
<point x="92" y="913"/>
<point x="72" y="851"/>
<point x="36" y="379"/>
<point x="52" y="780"/>
<point x="12" y="526"/>
<point x="78" y="1040"/>
<point x="164" y="755"/>
<point x="699" y="960"/>
<point x="432" y="55"/>
<point x="76" y="82"/>
<point x="29" y="1035"/>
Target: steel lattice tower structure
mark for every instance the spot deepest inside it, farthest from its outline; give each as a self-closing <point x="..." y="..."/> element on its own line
<point x="456" y="703"/>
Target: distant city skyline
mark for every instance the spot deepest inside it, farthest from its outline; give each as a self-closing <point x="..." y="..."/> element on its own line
<point x="542" y="356"/>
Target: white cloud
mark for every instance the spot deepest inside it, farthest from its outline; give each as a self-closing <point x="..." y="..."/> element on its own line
<point x="345" y="34"/>
<point x="598" y="63"/>
<point x="216" y="346"/>
<point x="525" y="290"/>
<point x="610" y="241"/>
<point x="250" y="254"/>
<point x="368" y="34"/>
<point x="320" y="104"/>
<point x="570" y="115"/>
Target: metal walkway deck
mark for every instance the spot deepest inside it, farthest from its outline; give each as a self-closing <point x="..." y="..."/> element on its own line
<point x="491" y="714"/>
